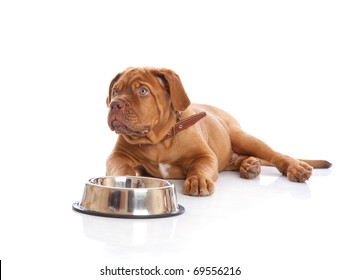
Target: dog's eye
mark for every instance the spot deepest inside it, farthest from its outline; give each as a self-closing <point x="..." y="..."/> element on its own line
<point x="115" y="91"/>
<point x="143" y="91"/>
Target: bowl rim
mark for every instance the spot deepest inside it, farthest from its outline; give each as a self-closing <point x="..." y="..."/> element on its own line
<point x="78" y="208"/>
<point x="169" y="184"/>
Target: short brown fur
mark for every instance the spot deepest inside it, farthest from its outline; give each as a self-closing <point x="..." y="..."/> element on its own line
<point x="144" y="104"/>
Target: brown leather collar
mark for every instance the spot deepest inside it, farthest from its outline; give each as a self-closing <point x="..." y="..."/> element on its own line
<point x="183" y="124"/>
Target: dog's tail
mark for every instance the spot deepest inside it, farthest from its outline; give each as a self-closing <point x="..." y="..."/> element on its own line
<point x="315" y="163"/>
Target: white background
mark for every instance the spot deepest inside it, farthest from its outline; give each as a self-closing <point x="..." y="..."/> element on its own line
<point x="272" y="64"/>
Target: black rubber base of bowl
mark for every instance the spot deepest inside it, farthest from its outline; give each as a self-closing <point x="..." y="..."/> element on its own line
<point x="76" y="207"/>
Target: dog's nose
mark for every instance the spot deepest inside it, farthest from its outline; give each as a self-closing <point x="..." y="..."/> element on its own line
<point x="117" y="105"/>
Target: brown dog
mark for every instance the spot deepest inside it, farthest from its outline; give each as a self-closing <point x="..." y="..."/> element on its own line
<point x="163" y="135"/>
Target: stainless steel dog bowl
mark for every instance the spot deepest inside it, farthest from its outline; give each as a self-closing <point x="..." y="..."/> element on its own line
<point x="129" y="197"/>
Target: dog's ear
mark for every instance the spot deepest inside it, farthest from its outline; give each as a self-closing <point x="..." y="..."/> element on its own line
<point x="171" y="81"/>
<point x="108" y="98"/>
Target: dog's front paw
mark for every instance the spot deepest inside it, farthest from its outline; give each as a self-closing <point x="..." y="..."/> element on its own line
<point x="198" y="186"/>
<point x="299" y="171"/>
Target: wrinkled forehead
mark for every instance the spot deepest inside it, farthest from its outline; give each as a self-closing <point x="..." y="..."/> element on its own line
<point x="133" y="75"/>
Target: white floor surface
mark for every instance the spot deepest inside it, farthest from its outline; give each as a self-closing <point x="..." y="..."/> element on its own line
<point x="269" y="227"/>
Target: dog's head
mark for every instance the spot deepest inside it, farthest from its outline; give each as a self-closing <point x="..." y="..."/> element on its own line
<point x="143" y="103"/>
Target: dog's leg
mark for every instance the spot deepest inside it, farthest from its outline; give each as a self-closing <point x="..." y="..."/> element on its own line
<point x="249" y="167"/>
<point x="201" y="176"/>
<point x="294" y="169"/>
<point x="119" y="165"/>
